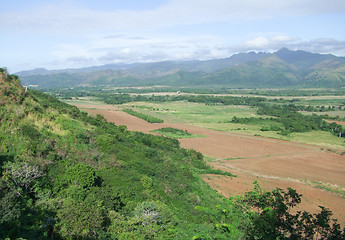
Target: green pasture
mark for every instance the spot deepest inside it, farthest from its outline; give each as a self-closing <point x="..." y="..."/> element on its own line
<point x="329" y="113"/>
<point x="322" y="101"/>
<point x="83" y="101"/>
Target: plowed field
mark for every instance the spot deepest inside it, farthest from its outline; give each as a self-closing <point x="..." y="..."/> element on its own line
<point x="273" y="163"/>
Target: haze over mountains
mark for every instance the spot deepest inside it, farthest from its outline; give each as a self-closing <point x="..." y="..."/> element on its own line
<point x="283" y="68"/>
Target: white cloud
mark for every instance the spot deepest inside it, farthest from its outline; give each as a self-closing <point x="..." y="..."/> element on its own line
<point x="71" y="19"/>
<point x="262" y="43"/>
<point x="274" y="43"/>
<point x="179" y="29"/>
<point x="257" y="43"/>
<point x="321" y="45"/>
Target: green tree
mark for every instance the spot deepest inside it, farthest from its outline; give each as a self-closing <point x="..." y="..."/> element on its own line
<point x="81" y="175"/>
<point x="78" y="220"/>
<point x="272" y="217"/>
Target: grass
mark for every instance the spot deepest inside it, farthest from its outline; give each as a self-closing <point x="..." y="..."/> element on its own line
<point x="84" y="101"/>
<point x="329" y="113"/>
<point x="197" y="112"/>
<point x="326" y="101"/>
<point x="320" y="138"/>
<point x="328" y="187"/>
<point x="176" y="133"/>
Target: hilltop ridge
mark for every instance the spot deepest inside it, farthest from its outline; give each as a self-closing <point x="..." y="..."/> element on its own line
<point x="11" y="89"/>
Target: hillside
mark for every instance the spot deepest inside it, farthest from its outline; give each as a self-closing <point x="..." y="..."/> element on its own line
<point x="281" y="69"/>
<point x="66" y="175"/>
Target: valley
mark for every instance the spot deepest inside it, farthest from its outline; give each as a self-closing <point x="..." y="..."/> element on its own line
<point x="101" y="171"/>
<point x="172" y="120"/>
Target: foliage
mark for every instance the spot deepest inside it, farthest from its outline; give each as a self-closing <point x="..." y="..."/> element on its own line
<point x="175" y="133"/>
<point x="79" y="220"/>
<point x="81" y="175"/>
<point x="66" y="175"/>
<point x="21" y="176"/>
<point x="11" y="89"/>
<point x="273" y="218"/>
<point x="145" y="117"/>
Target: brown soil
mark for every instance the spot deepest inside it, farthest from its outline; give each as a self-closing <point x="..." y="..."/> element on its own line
<point x="337" y="122"/>
<point x="273" y="163"/>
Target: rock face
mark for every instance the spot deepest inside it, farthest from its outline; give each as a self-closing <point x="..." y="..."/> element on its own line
<point x="11" y="90"/>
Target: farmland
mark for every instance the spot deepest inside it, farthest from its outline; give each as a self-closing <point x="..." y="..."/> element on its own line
<point x="311" y="162"/>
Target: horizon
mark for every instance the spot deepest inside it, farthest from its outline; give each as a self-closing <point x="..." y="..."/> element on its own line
<point x="256" y="52"/>
<point x="77" y="34"/>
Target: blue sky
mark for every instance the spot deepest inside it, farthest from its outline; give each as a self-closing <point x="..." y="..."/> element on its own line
<point x="75" y="33"/>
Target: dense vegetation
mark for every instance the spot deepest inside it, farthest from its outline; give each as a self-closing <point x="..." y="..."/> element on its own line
<point x="145" y="117"/>
<point x="100" y="90"/>
<point x="174" y="133"/>
<point x="66" y="175"/>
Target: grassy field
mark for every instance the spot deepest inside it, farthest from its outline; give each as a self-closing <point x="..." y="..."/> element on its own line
<point x="322" y="101"/>
<point x="84" y="101"/>
<point x="195" y="113"/>
<point x="329" y="113"/>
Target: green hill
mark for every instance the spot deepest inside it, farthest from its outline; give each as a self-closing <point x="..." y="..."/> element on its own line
<point x="66" y="175"/>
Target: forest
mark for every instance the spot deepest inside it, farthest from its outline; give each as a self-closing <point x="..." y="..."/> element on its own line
<point x="68" y="175"/>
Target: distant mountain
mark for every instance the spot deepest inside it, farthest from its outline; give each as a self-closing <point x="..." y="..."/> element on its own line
<point x="283" y="68"/>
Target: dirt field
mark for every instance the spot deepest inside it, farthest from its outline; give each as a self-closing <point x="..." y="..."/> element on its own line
<point x="337" y="122"/>
<point x="273" y="163"/>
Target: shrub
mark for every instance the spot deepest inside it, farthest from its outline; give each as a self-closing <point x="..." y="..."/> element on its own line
<point x="81" y="175"/>
<point x="79" y="220"/>
<point x="145" y="117"/>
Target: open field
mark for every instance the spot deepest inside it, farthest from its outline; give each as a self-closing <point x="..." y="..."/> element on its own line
<point x="273" y="162"/>
<point x="195" y="112"/>
<point x="85" y="101"/>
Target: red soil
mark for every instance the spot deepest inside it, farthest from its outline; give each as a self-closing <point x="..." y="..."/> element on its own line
<point x="337" y="122"/>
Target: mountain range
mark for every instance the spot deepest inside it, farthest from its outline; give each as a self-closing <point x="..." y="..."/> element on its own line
<point x="284" y="68"/>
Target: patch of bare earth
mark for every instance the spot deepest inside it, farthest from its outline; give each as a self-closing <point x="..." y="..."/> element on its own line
<point x="273" y="163"/>
<point x="337" y="122"/>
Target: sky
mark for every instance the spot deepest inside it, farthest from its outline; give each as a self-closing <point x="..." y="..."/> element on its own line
<point x="58" y="34"/>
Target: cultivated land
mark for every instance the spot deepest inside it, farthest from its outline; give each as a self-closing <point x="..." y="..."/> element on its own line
<point x="312" y="170"/>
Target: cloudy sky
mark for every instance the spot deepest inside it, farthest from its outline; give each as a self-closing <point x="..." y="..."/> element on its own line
<point x="57" y="34"/>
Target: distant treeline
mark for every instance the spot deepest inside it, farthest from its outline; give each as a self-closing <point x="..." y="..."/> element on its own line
<point x="88" y="91"/>
<point x="292" y="121"/>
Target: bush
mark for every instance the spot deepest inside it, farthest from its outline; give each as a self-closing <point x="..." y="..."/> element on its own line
<point x="145" y="117"/>
<point x="81" y="175"/>
<point x="274" y="217"/>
<point x="79" y="220"/>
